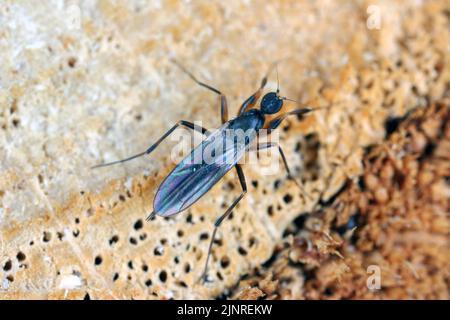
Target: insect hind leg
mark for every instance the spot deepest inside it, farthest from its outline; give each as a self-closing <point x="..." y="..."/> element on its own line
<point x="183" y="123"/>
<point x="251" y="101"/>
<point x="151" y="216"/>
<point x="224" y="216"/>
<point x="223" y="98"/>
<point x="262" y="146"/>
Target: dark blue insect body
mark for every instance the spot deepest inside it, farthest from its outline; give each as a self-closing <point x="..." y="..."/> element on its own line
<point x="197" y="173"/>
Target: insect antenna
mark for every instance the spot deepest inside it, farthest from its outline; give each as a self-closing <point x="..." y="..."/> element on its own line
<point x="305" y="105"/>
<point x="278" y="80"/>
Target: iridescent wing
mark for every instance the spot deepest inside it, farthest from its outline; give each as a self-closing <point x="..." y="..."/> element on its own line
<point x="198" y="172"/>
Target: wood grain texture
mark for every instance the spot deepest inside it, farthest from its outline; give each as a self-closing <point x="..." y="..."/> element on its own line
<point x="73" y="95"/>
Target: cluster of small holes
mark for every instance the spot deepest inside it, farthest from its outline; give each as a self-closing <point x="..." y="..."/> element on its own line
<point x="11" y="120"/>
<point x="48" y="236"/>
<point x="163" y="276"/>
<point x="138" y="235"/>
<point x="8" y="265"/>
<point x="140" y="271"/>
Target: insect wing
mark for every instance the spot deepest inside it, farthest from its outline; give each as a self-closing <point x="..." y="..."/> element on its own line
<point x="198" y="172"/>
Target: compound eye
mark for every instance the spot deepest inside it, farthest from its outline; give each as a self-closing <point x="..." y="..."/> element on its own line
<point x="271" y="103"/>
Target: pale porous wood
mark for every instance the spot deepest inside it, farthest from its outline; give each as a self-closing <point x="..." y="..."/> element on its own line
<point x="83" y="83"/>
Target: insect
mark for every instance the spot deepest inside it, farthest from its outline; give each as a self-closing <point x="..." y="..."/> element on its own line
<point x="194" y="176"/>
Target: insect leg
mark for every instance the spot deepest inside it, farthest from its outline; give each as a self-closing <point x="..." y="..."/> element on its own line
<point x="151" y="216"/>
<point x="251" y="101"/>
<point x="183" y="123"/>
<point x="267" y="145"/>
<point x="275" y="122"/>
<point x="348" y="177"/>
<point x="223" y="98"/>
<point x="218" y="222"/>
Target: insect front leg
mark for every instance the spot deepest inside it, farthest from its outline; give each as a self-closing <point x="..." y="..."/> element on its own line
<point x="219" y="221"/>
<point x="223" y="98"/>
<point x="183" y="123"/>
<point x="251" y="101"/>
<point x="266" y="145"/>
